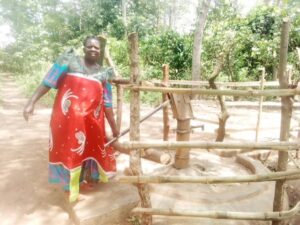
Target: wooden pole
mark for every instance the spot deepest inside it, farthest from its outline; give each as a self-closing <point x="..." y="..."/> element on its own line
<point x="298" y="136"/>
<point x="120" y="93"/>
<point x="102" y="49"/>
<point x="200" y="145"/>
<point x="135" y="155"/>
<point x="166" y="121"/>
<point x="246" y="84"/>
<point x="242" y="93"/>
<point x="286" y="175"/>
<point x="141" y="120"/>
<point x="286" y="113"/>
<point x="119" y="87"/>
<point x="260" y="103"/>
<point x="222" y="214"/>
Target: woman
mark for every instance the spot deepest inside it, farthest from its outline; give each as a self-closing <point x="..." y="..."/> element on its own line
<point x="77" y="132"/>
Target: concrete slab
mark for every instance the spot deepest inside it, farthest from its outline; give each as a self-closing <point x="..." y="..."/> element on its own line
<point x="109" y="203"/>
<point x="244" y="197"/>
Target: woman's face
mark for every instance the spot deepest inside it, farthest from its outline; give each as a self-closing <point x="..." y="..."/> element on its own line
<point x="92" y="50"/>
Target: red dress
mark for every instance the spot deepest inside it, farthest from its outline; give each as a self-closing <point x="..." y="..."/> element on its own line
<point x="78" y="133"/>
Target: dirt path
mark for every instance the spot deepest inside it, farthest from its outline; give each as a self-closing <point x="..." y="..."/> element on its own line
<point x="26" y="196"/>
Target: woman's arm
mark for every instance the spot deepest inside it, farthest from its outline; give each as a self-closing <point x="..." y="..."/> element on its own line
<point x="109" y="114"/>
<point x="29" y="107"/>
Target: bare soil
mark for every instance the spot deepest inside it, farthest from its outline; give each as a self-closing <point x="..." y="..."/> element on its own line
<point x="26" y="196"/>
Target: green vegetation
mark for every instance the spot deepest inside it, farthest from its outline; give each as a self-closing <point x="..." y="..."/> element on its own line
<point x="43" y="29"/>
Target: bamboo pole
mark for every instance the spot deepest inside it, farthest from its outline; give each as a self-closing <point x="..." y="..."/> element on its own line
<point x="260" y="103"/>
<point x="166" y="121"/>
<point x="286" y="175"/>
<point x="286" y="112"/>
<point x="221" y="214"/>
<point x="244" y="93"/>
<point x="135" y="155"/>
<point x="198" y="145"/>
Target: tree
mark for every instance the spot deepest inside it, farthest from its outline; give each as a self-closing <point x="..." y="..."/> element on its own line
<point x="202" y="12"/>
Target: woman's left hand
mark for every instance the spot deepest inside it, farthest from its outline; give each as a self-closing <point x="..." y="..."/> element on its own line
<point x="116" y="133"/>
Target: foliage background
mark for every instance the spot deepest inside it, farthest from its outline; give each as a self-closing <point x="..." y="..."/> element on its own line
<point x="43" y="29"/>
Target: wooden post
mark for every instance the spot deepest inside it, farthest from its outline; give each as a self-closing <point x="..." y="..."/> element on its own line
<point x="119" y="87"/>
<point x="102" y="49"/>
<point x="135" y="156"/>
<point x="260" y="103"/>
<point x="119" y="106"/>
<point x="286" y="113"/>
<point x="165" y="98"/>
<point x="297" y="154"/>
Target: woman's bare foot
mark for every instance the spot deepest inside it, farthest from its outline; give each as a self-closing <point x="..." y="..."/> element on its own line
<point x="87" y="186"/>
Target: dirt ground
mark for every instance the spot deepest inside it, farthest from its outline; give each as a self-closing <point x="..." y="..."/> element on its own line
<point x="26" y="196"/>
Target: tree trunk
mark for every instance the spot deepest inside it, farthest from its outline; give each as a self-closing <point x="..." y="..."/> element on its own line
<point x="124" y="12"/>
<point x="224" y="113"/>
<point x="202" y="12"/>
<point x="286" y="113"/>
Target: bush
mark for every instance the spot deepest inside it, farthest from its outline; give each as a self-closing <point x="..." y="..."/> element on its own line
<point x="170" y="48"/>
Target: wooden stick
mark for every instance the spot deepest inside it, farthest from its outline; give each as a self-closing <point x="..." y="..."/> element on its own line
<point x="110" y="63"/>
<point x="260" y="103"/>
<point x="102" y="49"/>
<point x="135" y="155"/>
<point x="286" y="112"/>
<point x="279" y="146"/>
<point x="286" y="175"/>
<point x="166" y="120"/>
<point x="246" y="84"/>
<point x="294" y="161"/>
<point x="119" y="106"/>
<point x="141" y="120"/>
<point x="245" y="93"/>
<point x="221" y="214"/>
<point x="298" y="135"/>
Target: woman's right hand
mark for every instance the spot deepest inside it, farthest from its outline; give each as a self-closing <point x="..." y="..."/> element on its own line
<point x="29" y="107"/>
<point x="28" y="110"/>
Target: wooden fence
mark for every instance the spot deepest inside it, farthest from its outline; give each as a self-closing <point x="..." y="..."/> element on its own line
<point x="282" y="146"/>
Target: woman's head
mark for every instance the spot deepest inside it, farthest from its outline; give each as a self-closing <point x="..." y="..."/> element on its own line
<point x="91" y="49"/>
